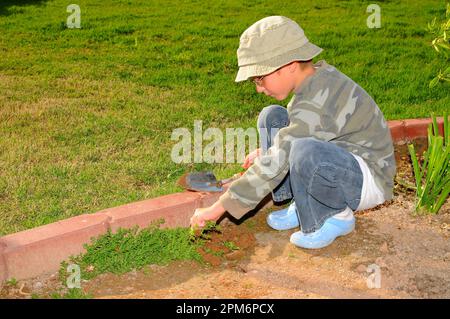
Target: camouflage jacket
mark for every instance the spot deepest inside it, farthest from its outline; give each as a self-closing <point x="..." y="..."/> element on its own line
<point x="329" y="106"/>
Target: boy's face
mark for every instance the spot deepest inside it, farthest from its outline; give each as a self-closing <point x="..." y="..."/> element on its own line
<point x="277" y="84"/>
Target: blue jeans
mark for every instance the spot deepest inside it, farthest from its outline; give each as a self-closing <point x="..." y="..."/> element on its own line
<point x="323" y="178"/>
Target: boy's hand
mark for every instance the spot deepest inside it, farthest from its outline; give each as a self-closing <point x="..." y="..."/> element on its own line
<point x="250" y="158"/>
<point x="202" y="215"/>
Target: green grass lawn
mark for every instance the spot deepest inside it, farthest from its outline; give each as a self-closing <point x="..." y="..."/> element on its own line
<point x="86" y="115"/>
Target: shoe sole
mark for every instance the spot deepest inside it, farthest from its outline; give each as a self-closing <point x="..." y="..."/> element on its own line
<point x="281" y="229"/>
<point x="329" y="242"/>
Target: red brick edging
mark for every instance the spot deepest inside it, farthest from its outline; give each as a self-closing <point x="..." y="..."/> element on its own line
<point x="40" y="250"/>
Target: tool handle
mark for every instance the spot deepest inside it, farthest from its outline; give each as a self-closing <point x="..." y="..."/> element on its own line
<point x="232" y="178"/>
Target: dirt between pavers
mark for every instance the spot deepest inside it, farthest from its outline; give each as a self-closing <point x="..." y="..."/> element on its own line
<point x="411" y="255"/>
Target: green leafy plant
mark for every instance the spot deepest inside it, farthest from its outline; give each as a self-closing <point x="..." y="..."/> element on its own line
<point x="200" y="235"/>
<point x="217" y="253"/>
<point x="12" y="282"/>
<point x="432" y="177"/>
<point x="441" y="43"/>
<point x="230" y="245"/>
<point x="134" y="248"/>
<point x="74" y="293"/>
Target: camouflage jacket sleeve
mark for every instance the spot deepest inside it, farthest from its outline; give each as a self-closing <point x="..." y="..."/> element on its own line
<point x="268" y="170"/>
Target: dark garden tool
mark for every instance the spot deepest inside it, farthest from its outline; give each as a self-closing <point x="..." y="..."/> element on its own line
<point x="204" y="181"/>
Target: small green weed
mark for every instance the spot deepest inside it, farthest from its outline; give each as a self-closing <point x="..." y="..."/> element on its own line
<point x="230" y="245"/>
<point x="218" y="253"/>
<point x="251" y="224"/>
<point x="74" y="293"/>
<point x="205" y="233"/>
<point x="12" y="282"/>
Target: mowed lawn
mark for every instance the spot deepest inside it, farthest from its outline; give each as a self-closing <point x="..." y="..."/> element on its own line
<point x="86" y="115"/>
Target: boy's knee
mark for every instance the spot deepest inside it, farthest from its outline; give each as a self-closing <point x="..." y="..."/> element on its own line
<point x="305" y="153"/>
<point x="273" y="116"/>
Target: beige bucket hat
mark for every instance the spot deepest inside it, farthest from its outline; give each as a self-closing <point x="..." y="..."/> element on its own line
<point x="269" y="44"/>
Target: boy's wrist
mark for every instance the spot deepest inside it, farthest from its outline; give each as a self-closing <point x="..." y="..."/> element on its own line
<point x="217" y="209"/>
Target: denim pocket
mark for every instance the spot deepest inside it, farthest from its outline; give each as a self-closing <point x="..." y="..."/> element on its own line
<point x="324" y="188"/>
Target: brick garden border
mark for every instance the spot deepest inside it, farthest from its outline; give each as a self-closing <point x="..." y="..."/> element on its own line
<point x="40" y="250"/>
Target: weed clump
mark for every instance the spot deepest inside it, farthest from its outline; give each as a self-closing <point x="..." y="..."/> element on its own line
<point x="130" y="249"/>
<point x="74" y="293"/>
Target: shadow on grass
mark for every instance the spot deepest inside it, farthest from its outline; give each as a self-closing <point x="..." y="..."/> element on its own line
<point x="5" y="6"/>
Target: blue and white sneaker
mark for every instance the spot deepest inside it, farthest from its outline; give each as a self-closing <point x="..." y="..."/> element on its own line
<point x="284" y="219"/>
<point x="331" y="229"/>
